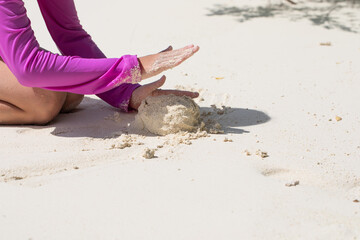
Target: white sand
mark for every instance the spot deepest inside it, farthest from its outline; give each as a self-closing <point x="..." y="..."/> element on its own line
<point x="82" y="177"/>
<point x="168" y="114"/>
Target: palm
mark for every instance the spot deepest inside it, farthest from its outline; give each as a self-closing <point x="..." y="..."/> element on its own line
<point x="152" y="89"/>
<point x="152" y="65"/>
<point x="155" y="64"/>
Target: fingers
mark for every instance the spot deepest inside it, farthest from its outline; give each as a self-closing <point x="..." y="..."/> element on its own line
<point x="190" y="49"/>
<point x="193" y="47"/>
<point x="183" y="54"/>
<point x="144" y="91"/>
<point x="155" y="64"/>
<point x="155" y="85"/>
<point x="169" y="48"/>
<point x="170" y="59"/>
<point x="153" y="89"/>
<point x="180" y="93"/>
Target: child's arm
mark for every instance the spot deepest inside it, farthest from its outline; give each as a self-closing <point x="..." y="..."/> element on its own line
<point x="34" y="67"/>
<point x="65" y="29"/>
<point x="72" y="40"/>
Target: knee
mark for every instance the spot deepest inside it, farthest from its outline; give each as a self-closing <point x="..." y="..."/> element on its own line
<point x="48" y="108"/>
<point x="71" y="102"/>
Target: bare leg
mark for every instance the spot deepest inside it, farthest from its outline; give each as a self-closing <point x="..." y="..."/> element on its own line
<point x="24" y="105"/>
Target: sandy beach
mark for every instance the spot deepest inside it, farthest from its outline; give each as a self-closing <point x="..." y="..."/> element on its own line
<point x="282" y="80"/>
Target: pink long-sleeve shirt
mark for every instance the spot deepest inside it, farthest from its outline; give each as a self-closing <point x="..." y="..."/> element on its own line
<point x="82" y="68"/>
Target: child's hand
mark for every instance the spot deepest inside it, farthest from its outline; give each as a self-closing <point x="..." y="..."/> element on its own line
<point x="155" y="64"/>
<point x="152" y="89"/>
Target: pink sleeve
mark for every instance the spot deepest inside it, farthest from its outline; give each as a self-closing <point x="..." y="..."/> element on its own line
<point x="72" y="40"/>
<point x="34" y="67"/>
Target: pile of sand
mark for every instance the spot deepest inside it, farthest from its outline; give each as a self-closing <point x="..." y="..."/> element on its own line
<point x="168" y="114"/>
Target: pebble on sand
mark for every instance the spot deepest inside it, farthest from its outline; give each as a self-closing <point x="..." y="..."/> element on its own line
<point x="149" y="153"/>
<point x="292" y="184"/>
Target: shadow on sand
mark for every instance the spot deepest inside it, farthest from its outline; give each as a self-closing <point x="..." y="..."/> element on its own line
<point x="339" y="14"/>
<point x="95" y="119"/>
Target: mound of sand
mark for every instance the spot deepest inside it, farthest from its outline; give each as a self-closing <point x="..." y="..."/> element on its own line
<point x="168" y="114"/>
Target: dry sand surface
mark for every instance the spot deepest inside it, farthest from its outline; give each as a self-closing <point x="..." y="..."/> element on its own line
<point x="285" y="83"/>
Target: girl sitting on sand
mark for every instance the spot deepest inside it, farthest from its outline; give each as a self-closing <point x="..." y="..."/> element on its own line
<point x="35" y="84"/>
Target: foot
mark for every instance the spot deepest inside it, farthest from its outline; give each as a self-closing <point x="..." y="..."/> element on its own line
<point x="155" y="64"/>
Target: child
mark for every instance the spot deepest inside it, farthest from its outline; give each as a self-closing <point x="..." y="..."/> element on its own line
<point x="35" y="84"/>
